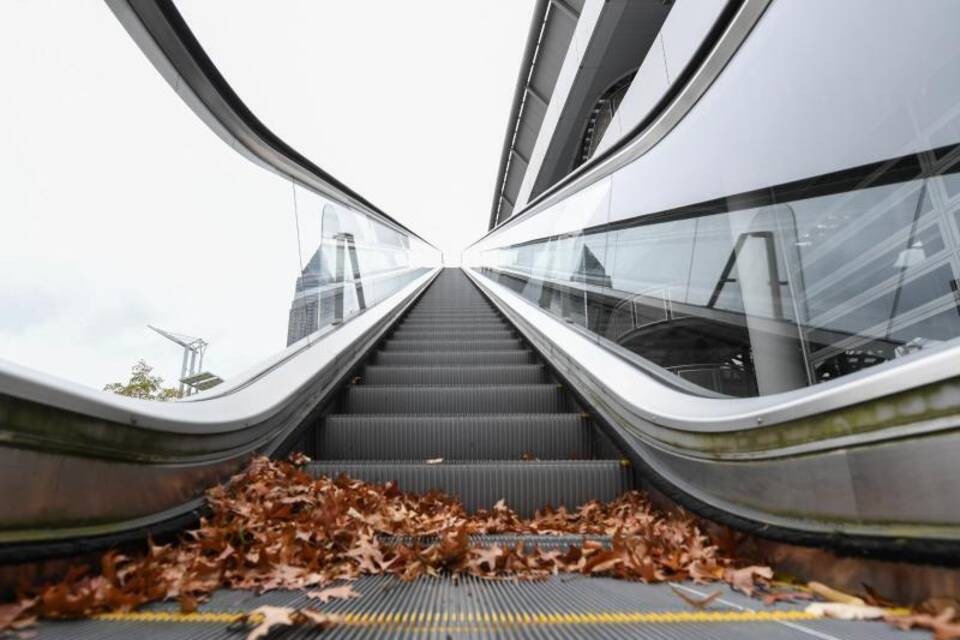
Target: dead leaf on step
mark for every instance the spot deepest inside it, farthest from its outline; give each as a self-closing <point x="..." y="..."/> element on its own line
<point x="841" y="611"/>
<point x="770" y="599"/>
<point x="697" y="603"/>
<point x="269" y="618"/>
<point x="746" y="579"/>
<point x="828" y="593"/>
<point x="344" y="592"/>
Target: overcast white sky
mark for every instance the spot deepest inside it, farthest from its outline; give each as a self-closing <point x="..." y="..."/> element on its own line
<point x="119" y="208"/>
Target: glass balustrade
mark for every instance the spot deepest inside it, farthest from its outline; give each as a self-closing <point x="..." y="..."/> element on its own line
<point x="765" y="292"/>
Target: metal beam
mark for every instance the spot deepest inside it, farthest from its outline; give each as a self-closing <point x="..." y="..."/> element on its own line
<point x="537" y="95"/>
<point x="566" y="9"/>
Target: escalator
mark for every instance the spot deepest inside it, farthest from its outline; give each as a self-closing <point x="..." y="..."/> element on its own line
<point x="454" y="385"/>
<point x="454" y="400"/>
<point x="567" y="362"/>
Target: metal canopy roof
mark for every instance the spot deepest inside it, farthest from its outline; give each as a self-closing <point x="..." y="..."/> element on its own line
<point x="551" y="31"/>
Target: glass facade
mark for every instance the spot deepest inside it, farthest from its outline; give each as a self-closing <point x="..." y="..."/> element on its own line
<point x="769" y="291"/>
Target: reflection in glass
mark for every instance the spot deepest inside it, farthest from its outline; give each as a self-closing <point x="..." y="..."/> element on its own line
<point x="356" y="262"/>
<point x="754" y="300"/>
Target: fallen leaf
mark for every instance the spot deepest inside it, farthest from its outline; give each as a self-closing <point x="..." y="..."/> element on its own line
<point x="270" y="617"/>
<point x="874" y="599"/>
<point x="745" y="579"/>
<point x="922" y="620"/>
<point x="833" y="595"/>
<point x="344" y="592"/>
<point x="774" y="597"/>
<point x="697" y="603"/>
<point x="842" y="611"/>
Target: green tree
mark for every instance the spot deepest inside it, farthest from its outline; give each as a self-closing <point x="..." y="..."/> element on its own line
<point x="143" y="385"/>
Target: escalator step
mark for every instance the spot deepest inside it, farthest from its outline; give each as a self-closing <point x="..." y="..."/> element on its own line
<point x="465" y="343"/>
<point x="477" y="399"/>
<point x="503" y="374"/>
<point x="526" y="486"/>
<point x="467" y="325"/>
<point x="423" y="359"/>
<point x="449" y="333"/>
<point x="563" y="436"/>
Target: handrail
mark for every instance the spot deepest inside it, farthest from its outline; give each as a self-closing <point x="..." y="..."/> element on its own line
<point x="680" y="411"/>
<point x="161" y="32"/>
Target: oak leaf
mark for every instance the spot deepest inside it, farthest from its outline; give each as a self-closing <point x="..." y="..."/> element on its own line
<point x="344" y="592"/>
<point x="267" y="618"/>
<point x="697" y="603"/>
<point x="842" y="611"/>
<point x="745" y="579"/>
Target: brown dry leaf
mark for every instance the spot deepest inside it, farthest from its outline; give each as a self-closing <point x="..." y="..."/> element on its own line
<point x="874" y="599"/>
<point x="832" y="595"/>
<point x="16" y="616"/>
<point x="527" y="456"/>
<point x="921" y="620"/>
<point x="434" y="461"/>
<point x="770" y="599"/>
<point x="696" y="603"/>
<point x="745" y="579"/>
<point x="344" y="592"/>
<point x="274" y="526"/>
<point x="842" y="611"/>
<point x="270" y="617"/>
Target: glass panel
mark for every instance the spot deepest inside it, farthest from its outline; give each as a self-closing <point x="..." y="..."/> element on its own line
<point x="114" y="220"/>
<point x="748" y="301"/>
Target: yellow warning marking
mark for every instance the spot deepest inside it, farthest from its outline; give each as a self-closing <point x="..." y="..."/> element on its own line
<point x="481" y="620"/>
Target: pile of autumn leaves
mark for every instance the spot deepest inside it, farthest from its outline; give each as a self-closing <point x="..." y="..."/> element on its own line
<point x="276" y="527"/>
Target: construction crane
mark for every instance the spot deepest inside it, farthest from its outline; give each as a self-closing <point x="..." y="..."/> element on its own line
<point x="192" y="376"/>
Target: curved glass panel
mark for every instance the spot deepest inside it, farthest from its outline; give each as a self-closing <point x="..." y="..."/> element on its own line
<point x="121" y="208"/>
<point x="770" y="291"/>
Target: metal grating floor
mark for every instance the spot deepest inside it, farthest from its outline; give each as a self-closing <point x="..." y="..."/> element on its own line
<point x="562" y="607"/>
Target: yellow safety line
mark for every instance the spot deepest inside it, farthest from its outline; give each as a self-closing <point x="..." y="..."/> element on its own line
<point x="484" y="620"/>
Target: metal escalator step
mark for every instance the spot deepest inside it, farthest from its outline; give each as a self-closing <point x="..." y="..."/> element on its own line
<point x="474" y="399"/>
<point x="452" y="375"/>
<point x="526" y="486"/>
<point x="465" y="343"/>
<point x="449" y="333"/>
<point x="440" y="358"/>
<point x="483" y="316"/>
<point x="466" y="325"/>
<point x="562" y="436"/>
